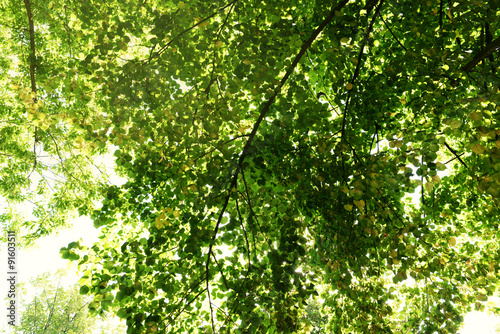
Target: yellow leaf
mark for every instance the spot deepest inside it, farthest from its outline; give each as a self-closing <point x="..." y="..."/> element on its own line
<point x="348" y="207"/>
<point x="45" y="125"/>
<point x="477" y="148"/>
<point x="246" y="62"/>
<point x="177" y="214"/>
<point x="440" y="166"/>
<point x="243" y="129"/>
<point x="79" y="142"/>
<point x="448" y="13"/>
<point x="349" y="86"/>
<point x="491" y="276"/>
<point x="40" y="116"/>
<point x="475" y="116"/>
<point x="158" y="223"/>
<point x="455" y="124"/>
<point x="394" y="253"/>
<point x="429" y="186"/>
<point x="218" y="44"/>
<point x="452" y="241"/>
<point x="360" y="204"/>
<point x="482" y="298"/>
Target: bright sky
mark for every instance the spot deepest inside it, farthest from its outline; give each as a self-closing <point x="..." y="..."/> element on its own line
<point x="480" y="323"/>
<point x="46" y="258"/>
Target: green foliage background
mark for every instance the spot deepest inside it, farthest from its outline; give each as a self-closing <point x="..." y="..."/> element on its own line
<point x="275" y="152"/>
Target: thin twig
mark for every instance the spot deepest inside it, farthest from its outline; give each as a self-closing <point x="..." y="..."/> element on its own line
<point x="455" y="154"/>
<point x="358" y="66"/>
<point x="159" y="52"/>
<point x="389" y="28"/>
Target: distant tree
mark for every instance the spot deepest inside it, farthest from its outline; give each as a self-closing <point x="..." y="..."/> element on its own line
<point x="56" y="309"/>
<point x="316" y="320"/>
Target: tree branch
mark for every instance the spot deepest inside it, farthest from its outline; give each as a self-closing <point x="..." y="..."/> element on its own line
<point x="159" y="52"/>
<point x="390" y="30"/>
<point x="358" y="66"/>
<point x="484" y="53"/>
<point x="32" y="46"/>
<point x="455" y="154"/>
<point x="32" y="70"/>
<point x="264" y="110"/>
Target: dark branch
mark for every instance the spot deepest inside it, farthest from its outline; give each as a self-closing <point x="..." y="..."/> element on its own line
<point x="32" y="45"/>
<point x="390" y="30"/>
<point x="358" y="66"/>
<point x="265" y="109"/>
<point x="484" y="53"/>
<point x="455" y="154"/>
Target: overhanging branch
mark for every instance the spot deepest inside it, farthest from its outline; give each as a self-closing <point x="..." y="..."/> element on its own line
<point x="264" y="110"/>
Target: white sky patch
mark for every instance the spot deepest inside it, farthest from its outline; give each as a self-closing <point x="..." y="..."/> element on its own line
<point x="480" y="323"/>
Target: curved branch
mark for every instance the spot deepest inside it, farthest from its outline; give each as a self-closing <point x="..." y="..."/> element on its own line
<point x="390" y="30"/>
<point x="264" y="110"/>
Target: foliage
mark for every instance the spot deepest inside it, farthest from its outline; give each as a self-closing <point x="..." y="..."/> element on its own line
<point x="282" y="151"/>
<point x="58" y="309"/>
<point x="46" y="173"/>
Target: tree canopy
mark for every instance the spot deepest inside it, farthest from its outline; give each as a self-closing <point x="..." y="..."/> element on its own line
<point x="276" y="152"/>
